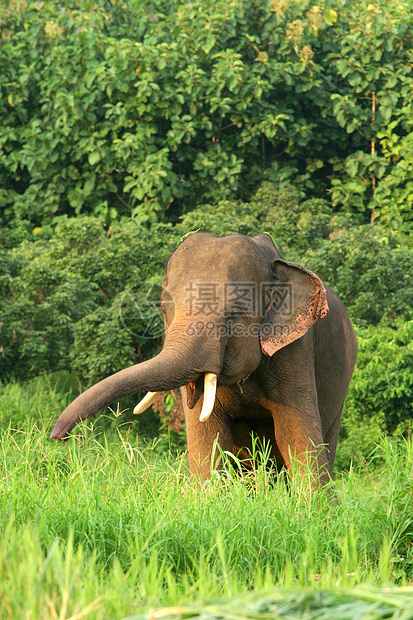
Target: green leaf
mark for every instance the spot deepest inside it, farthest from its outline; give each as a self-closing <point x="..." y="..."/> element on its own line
<point x="94" y="158"/>
<point x="330" y="17"/>
<point x="352" y="167"/>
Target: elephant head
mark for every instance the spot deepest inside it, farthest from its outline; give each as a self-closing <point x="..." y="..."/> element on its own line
<point x="226" y="301"/>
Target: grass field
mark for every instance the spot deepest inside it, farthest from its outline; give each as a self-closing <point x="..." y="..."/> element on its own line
<point x="99" y="529"/>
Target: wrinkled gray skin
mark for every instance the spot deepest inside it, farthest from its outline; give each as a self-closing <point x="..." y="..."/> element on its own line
<point x="288" y="388"/>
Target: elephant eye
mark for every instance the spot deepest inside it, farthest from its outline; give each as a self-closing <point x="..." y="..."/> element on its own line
<point x="232" y="316"/>
<point x="167" y="306"/>
<point x="235" y="312"/>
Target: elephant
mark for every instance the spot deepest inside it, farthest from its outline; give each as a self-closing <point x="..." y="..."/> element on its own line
<point x="257" y="345"/>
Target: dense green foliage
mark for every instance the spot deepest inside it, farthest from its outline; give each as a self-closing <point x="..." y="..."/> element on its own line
<point x="380" y="396"/>
<point x="113" y="528"/>
<point x="62" y="293"/>
<point x="147" y="109"/>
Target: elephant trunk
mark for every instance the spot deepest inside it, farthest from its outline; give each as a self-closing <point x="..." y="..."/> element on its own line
<point x="163" y="372"/>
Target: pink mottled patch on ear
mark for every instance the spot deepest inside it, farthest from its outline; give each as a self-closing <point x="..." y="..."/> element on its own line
<point x="322" y="307"/>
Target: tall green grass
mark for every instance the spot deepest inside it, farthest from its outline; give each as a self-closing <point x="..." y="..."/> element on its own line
<point x="103" y="528"/>
<point x="114" y="529"/>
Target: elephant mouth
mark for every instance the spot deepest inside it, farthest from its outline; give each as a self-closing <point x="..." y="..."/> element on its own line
<point x="210" y="387"/>
<point x="195" y="391"/>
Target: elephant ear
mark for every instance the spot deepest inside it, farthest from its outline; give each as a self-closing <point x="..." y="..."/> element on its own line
<point x="294" y="300"/>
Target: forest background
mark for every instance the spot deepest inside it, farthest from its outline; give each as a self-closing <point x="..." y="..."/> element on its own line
<point x="124" y="125"/>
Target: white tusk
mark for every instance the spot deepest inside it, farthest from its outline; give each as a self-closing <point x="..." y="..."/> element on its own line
<point x="210" y="388"/>
<point x="145" y="402"/>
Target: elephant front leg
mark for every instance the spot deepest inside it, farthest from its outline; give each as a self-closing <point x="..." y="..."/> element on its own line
<point x="204" y="438"/>
<point x="299" y="439"/>
<point x="205" y="441"/>
<point x="291" y="391"/>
